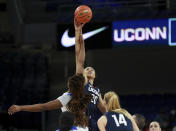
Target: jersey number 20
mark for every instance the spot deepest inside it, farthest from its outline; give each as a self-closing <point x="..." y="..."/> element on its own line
<point x="94" y="99"/>
<point x="120" y="121"/>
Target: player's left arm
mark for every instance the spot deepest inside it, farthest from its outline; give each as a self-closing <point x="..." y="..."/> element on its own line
<point x="102" y="121"/>
<point x="100" y="105"/>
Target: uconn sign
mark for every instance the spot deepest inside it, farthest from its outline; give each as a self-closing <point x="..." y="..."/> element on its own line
<point x="144" y="32"/>
<point x="140" y="34"/>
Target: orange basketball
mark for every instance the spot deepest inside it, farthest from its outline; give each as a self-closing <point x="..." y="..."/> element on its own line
<point x="83" y="14"/>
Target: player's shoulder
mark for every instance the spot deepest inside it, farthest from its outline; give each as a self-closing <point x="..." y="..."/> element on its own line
<point x="67" y="94"/>
<point x="111" y="113"/>
<point x="65" y="98"/>
<point x="107" y="113"/>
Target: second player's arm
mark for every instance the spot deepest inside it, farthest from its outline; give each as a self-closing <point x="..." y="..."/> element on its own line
<point x="51" y="105"/>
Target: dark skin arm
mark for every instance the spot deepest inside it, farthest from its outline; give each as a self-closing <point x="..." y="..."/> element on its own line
<point x="51" y="105"/>
<point x="79" y="48"/>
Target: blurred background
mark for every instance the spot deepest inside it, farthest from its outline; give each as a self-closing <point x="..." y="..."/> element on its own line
<point x="134" y="55"/>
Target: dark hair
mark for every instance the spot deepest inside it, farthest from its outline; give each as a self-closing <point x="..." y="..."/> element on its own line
<point x="66" y="121"/>
<point x="79" y="101"/>
<point x="140" y="121"/>
<point x="76" y="85"/>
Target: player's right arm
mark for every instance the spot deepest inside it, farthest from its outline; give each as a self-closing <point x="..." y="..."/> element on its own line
<point x="79" y="48"/>
<point x="51" y="105"/>
<point x="78" y="32"/>
<point x="102" y="121"/>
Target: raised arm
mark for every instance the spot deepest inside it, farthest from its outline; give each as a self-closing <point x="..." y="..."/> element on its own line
<point x="79" y="48"/>
<point x="51" y="105"/>
<point x="78" y="32"/>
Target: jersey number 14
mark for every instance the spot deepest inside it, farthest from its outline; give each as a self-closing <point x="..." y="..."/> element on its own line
<point x="120" y="121"/>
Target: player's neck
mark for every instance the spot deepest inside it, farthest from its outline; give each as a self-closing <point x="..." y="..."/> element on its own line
<point x="91" y="81"/>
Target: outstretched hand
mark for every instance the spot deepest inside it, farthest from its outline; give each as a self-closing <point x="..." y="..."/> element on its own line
<point x="78" y="26"/>
<point x="13" y="109"/>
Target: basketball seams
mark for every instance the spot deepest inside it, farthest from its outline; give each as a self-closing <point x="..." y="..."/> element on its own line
<point x="83" y="14"/>
<point x="82" y="11"/>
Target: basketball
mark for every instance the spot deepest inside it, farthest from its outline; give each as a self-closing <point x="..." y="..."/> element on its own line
<point x="83" y="14"/>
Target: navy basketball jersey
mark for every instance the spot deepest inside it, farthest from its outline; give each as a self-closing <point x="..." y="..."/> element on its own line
<point x="118" y="121"/>
<point x="92" y="110"/>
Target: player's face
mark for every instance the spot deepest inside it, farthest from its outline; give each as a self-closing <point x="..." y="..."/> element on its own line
<point x="154" y="126"/>
<point x="89" y="72"/>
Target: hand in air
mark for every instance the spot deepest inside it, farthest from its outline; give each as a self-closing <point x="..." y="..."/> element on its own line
<point x="13" y="109"/>
<point x="78" y="26"/>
